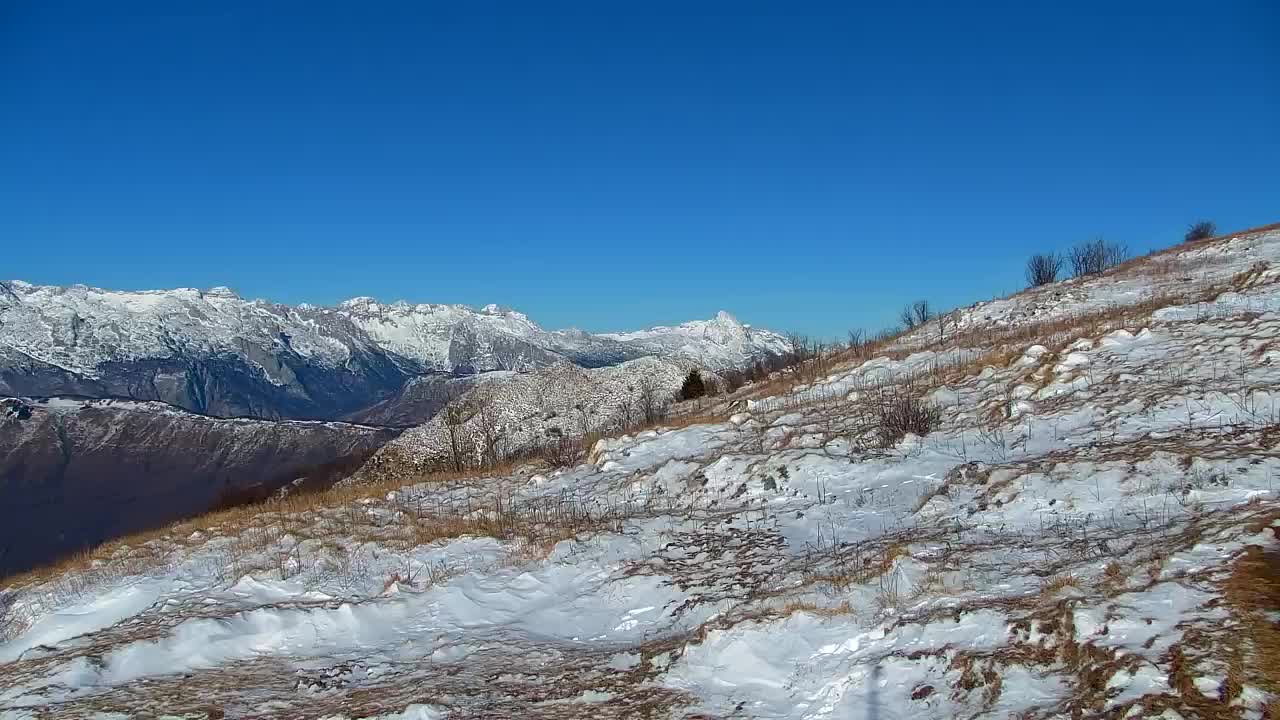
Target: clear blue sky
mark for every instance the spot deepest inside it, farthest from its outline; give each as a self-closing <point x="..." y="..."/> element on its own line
<point x="808" y="166"/>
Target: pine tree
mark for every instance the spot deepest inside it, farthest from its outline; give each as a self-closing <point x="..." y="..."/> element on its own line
<point x="693" y="386"/>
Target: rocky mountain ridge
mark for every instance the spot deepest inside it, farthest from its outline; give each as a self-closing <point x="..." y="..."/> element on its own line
<point x="213" y="352"/>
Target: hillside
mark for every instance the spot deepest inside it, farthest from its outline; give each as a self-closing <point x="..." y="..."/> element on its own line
<point x="74" y="472"/>
<point x="1058" y="504"/>
<point x="507" y="414"/>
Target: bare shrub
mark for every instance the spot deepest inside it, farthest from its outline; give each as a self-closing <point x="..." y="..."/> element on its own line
<point x="899" y="411"/>
<point x="806" y="359"/>
<point x="626" y="406"/>
<point x="802" y="349"/>
<point x="1200" y="230"/>
<point x="455" y="418"/>
<point x="653" y="401"/>
<point x="734" y="379"/>
<point x="811" y="359"/>
<point x="916" y="314"/>
<point x="858" y="343"/>
<point x="1097" y="256"/>
<point x="1043" y="268"/>
<point x="9" y="625"/>
<point x="489" y="429"/>
<point x="907" y="318"/>
<point x="922" y="311"/>
<point x="562" y="450"/>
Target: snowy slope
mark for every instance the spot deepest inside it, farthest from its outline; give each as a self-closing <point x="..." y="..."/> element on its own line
<point x="1090" y="531"/>
<point x="534" y="409"/>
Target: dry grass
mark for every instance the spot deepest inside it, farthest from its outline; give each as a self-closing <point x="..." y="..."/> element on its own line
<point x="1051" y="586"/>
<point x="1253" y="593"/>
<point x="822" y="611"/>
<point x="841" y="567"/>
<point x="1113" y="577"/>
<point x="1249" y="277"/>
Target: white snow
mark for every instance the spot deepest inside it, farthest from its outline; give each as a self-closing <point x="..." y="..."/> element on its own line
<point x="78" y="328"/>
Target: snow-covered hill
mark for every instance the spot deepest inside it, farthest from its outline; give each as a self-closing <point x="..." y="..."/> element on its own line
<point x="1089" y="529"/>
<point x="216" y="353"/>
<point x="518" y="412"/>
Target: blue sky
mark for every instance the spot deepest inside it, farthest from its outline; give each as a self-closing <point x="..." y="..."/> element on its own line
<point x="807" y="166"/>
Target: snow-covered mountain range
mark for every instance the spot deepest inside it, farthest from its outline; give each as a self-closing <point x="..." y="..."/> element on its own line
<point x="214" y="352"/>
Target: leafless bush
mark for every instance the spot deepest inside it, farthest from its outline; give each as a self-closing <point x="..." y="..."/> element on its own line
<point x="916" y="314"/>
<point x="858" y="343"/>
<point x="455" y="425"/>
<point x="1043" y="268"/>
<point x="627" y="406"/>
<point x="899" y="411"/>
<point x="1096" y="256"/>
<point x="9" y="625"/>
<point x="653" y="401"/>
<point x="805" y="358"/>
<point x="562" y="450"/>
<point x="810" y="359"/>
<point x="1200" y="230"/>
<point x="489" y="429"/>
<point x="802" y="349"/>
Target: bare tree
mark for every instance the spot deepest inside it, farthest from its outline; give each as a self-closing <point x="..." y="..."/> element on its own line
<point x="561" y="450"/>
<point x="1043" y="268"/>
<point x="627" y="407"/>
<point x="915" y="314"/>
<point x="907" y="318"/>
<point x="489" y="426"/>
<point x="584" y="421"/>
<point x="801" y="349"/>
<point x="653" y="406"/>
<point x="857" y="342"/>
<point x="9" y="625"/>
<point x="455" y="420"/>
<point x="1096" y="256"/>
<point x="922" y="312"/>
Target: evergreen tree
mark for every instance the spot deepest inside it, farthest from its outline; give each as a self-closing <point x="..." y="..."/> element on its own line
<point x="693" y="386"/>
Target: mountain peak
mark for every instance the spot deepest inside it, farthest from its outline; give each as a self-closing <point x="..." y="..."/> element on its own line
<point x="360" y="302"/>
<point x="724" y="318"/>
<point x="221" y="291"/>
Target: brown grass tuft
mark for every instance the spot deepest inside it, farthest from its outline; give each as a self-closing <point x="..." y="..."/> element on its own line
<point x="1253" y="593"/>
<point x="1053" y="585"/>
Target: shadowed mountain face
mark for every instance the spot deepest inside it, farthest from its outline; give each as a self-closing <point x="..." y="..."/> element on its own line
<point x="75" y="473"/>
<point x="222" y="386"/>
